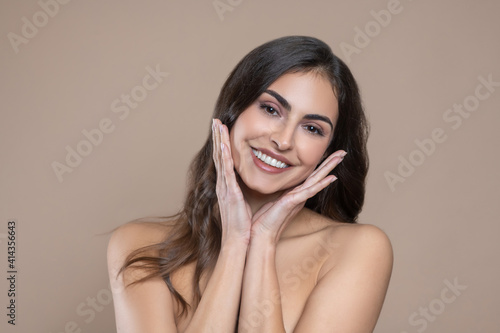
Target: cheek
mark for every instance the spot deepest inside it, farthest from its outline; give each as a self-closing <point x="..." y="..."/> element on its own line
<point x="250" y="126"/>
<point x="238" y="139"/>
<point x="312" y="153"/>
<point x="234" y="147"/>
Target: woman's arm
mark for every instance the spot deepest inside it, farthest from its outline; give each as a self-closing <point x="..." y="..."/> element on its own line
<point x="218" y="308"/>
<point x="144" y="307"/>
<point x="347" y="298"/>
<point x="261" y="300"/>
<point x="149" y="306"/>
<point x="261" y="309"/>
<point x="351" y="285"/>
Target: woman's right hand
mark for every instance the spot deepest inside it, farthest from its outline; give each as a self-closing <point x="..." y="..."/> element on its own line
<point x="236" y="215"/>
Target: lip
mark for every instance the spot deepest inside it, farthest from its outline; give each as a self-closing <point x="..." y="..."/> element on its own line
<point x="269" y="168"/>
<point x="274" y="155"/>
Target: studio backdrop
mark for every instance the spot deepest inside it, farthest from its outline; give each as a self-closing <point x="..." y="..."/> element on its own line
<point x="105" y="103"/>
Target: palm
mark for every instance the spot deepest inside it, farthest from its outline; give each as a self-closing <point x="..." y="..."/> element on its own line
<point x="234" y="210"/>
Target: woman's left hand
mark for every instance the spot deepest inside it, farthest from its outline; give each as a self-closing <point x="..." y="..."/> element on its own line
<point x="273" y="217"/>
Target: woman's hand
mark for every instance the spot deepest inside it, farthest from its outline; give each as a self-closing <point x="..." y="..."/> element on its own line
<point x="234" y="210"/>
<point x="273" y="217"/>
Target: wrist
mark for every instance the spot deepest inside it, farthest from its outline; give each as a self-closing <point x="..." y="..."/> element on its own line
<point x="264" y="241"/>
<point x="263" y="236"/>
<point x="234" y="243"/>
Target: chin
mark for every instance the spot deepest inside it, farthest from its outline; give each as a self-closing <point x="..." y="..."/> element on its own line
<point x="265" y="187"/>
<point x="259" y="186"/>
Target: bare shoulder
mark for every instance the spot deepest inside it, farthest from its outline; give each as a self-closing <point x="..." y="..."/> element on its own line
<point x="361" y="237"/>
<point x="352" y="281"/>
<point x="367" y="243"/>
<point x="365" y="247"/>
<point x="133" y="235"/>
<point x="354" y="235"/>
<point x="145" y="306"/>
<point x="130" y="237"/>
<point x="317" y="222"/>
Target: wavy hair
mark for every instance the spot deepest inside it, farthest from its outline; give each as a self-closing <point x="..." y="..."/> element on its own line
<point x="196" y="231"/>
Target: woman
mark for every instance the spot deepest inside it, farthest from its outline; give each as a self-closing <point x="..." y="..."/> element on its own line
<point x="268" y="239"/>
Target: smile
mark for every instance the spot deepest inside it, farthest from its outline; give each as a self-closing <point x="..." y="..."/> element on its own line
<point x="269" y="160"/>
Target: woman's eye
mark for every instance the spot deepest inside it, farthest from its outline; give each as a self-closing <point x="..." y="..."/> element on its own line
<point x="269" y="109"/>
<point x="314" y="130"/>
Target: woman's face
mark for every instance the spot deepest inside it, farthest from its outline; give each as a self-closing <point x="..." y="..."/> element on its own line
<point x="278" y="141"/>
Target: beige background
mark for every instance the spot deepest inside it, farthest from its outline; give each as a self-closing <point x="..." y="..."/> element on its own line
<point x="443" y="220"/>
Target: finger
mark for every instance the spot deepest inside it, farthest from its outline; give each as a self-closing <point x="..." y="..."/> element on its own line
<point x="215" y="143"/>
<point x="338" y="156"/>
<point x="227" y="159"/>
<point x="214" y="149"/>
<point x="224" y="135"/>
<point x="325" y="168"/>
<point x="217" y="154"/>
<point x="303" y="194"/>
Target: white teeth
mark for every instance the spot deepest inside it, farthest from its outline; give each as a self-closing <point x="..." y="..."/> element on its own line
<point x="269" y="160"/>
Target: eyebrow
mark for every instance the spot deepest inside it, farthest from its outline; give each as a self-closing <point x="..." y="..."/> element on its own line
<point x="288" y="107"/>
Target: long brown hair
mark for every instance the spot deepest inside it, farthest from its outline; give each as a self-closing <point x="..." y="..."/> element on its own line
<point x="196" y="234"/>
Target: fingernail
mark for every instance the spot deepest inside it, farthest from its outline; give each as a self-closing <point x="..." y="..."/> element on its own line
<point x="333" y="179"/>
<point x="341" y="157"/>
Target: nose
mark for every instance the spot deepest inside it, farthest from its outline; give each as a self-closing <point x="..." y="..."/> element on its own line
<point x="283" y="137"/>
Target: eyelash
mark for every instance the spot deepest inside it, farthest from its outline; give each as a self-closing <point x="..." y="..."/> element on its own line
<point x="315" y="130"/>
<point x="266" y="109"/>
<point x="272" y="111"/>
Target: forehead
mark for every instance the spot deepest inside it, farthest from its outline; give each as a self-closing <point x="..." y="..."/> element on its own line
<point x="307" y="93"/>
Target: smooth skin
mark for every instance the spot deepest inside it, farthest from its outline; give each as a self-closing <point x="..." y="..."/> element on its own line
<point x="290" y="269"/>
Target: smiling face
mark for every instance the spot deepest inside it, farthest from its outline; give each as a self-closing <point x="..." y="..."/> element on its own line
<point x="278" y="141"/>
